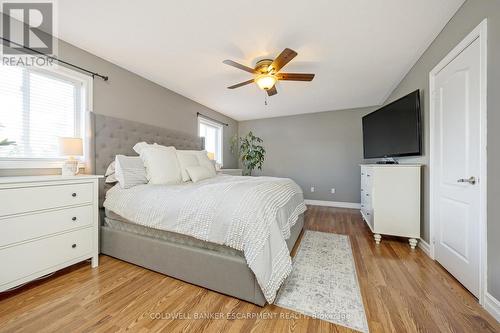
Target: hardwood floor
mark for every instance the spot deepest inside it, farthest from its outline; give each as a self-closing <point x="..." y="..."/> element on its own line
<point x="403" y="291"/>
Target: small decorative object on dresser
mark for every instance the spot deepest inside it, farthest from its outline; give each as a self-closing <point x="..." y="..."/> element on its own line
<point x="232" y="172"/>
<point x="70" y="147"/>
<point x="46" y="223"/>
<point x="390" y="200"/>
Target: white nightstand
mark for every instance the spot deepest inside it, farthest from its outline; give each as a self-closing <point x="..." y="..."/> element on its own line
<point x="46" y="223"/>
<point x="232" y="172"/>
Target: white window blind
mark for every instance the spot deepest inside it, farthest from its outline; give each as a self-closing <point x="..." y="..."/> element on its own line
<point x="212" y="132"/>
<point x="37" y="107"/>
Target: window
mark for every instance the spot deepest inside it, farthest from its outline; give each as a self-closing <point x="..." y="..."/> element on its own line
<point x="37" y="106"/>
<point x="212" y="132"/>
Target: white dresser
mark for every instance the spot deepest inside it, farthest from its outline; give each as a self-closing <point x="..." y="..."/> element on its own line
<point x="232" y="172"/>
<point x="390" y="200"/>
<point x="46" y="223"/>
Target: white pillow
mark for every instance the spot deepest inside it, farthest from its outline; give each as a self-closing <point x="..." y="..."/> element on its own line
<point x="111" y="179"/>
<point x="110" y="170"/>
<point x="129" y="171"/>
<point x="186" y="159"/>
<point x="110" y="174"/>
<point x="206" y="162"/>
<point x="197" y="173"/>
<point x="162" y="166"/>
<point x="189" y="158"/>
<point x="139" y="146"/>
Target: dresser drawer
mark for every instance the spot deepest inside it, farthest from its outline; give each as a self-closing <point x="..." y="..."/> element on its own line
<point x="25" y="227"/>
<point x="366" y="197"/>
<point x="27" y="199"/>
<point x="30" y="258"/>
<point x="367" y="179"/>
<point x="366" y="205"/>
<point x="367" y="214"/>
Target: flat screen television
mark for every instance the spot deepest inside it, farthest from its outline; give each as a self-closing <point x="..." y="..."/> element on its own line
<point x="394" y="130"/>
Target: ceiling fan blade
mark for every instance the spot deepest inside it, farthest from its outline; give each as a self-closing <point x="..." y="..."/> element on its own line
<point x="272" y="91"/>
<point x="240" y="84"/>
<point x="283" y="59"/>
<point x="294" y="77"/>
<point x="240" y="66"/>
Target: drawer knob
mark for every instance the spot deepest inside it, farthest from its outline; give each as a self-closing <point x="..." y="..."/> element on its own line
<point x="73" y="246"/>
<point x="367" y="195"/>
<point x="73" y="194"/>
<point x="74" y="218"/>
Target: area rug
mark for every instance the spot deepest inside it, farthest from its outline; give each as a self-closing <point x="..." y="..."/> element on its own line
<point x="323" y="283"/>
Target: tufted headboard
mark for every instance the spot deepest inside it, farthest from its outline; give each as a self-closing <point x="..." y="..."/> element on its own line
<point x="113" y="136"/>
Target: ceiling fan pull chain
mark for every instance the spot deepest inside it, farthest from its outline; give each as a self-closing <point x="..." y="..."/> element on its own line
<point x="265" y="99"/>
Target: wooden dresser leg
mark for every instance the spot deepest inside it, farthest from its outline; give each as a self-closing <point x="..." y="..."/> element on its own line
<point x="377" y="237"/>
<point x="413" y="243"/>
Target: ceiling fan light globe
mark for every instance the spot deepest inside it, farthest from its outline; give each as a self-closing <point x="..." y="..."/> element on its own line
<point x="266" y="81"/>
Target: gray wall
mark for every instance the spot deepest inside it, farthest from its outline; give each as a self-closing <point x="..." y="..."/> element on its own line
<point x="130" y="96"/>
<point x="464" y="21"/>
<point x="319" y="149"/>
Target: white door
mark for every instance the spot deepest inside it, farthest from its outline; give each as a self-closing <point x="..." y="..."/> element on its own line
<point x="457" y="147"/>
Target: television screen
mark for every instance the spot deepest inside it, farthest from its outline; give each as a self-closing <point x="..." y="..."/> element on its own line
<point x="394" y="130"/>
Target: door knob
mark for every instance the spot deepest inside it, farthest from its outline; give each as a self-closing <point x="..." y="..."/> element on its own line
<point x="471" y="180"/>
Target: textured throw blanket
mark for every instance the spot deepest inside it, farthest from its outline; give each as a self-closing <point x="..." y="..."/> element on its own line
<point x="250" y="214"/>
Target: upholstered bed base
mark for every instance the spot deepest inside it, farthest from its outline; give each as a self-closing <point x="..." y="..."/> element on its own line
<point x="224" y="273"/>
<point x="221" y="272"/>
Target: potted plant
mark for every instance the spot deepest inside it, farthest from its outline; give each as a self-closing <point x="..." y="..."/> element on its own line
<point x="251" y="152"/>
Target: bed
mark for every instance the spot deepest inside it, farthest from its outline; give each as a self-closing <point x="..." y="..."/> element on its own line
<point x="196" y="260"/>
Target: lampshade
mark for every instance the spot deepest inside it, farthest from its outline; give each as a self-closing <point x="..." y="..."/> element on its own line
<point x="70" y="146"/>
<point x="211" y="156"/>
<point x="265" y="81"/>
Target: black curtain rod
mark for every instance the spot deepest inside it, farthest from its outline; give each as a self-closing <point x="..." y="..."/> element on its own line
<point x="210" y="118"/>
<point x="93" y="74"/>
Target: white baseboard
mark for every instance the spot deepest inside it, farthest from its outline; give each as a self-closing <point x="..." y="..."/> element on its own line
<point x="492" y="305"/>
<point x="338" y="204"/>
<point x="424" y="246"/>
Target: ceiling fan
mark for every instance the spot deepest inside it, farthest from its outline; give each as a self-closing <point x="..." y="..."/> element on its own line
<point x="267" y="72"/>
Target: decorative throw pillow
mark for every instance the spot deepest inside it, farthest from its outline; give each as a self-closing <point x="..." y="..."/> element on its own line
<point x="206" y="162"/>
<point x="139" y="146"/>
<point x="111" y="179"/>
<point x="197" y="173"/>
<point x="110" y="174"/>
<point x="129" y="171"/>
<point x="188" y="158"/>
<point x="110" y="170"/>
<point x="162" y="166"/>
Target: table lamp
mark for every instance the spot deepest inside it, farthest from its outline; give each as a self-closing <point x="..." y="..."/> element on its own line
<point x="70" y="147"/>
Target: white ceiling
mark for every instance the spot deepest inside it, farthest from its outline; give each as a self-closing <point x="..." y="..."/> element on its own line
<point x="359" y="49"/>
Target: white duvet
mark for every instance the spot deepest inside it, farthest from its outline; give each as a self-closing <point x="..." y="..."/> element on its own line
<point x="251" y="214"/>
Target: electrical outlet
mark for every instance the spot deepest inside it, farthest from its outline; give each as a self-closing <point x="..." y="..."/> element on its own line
<point x="312" y="189"/>
<point x="332" y="191"/>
